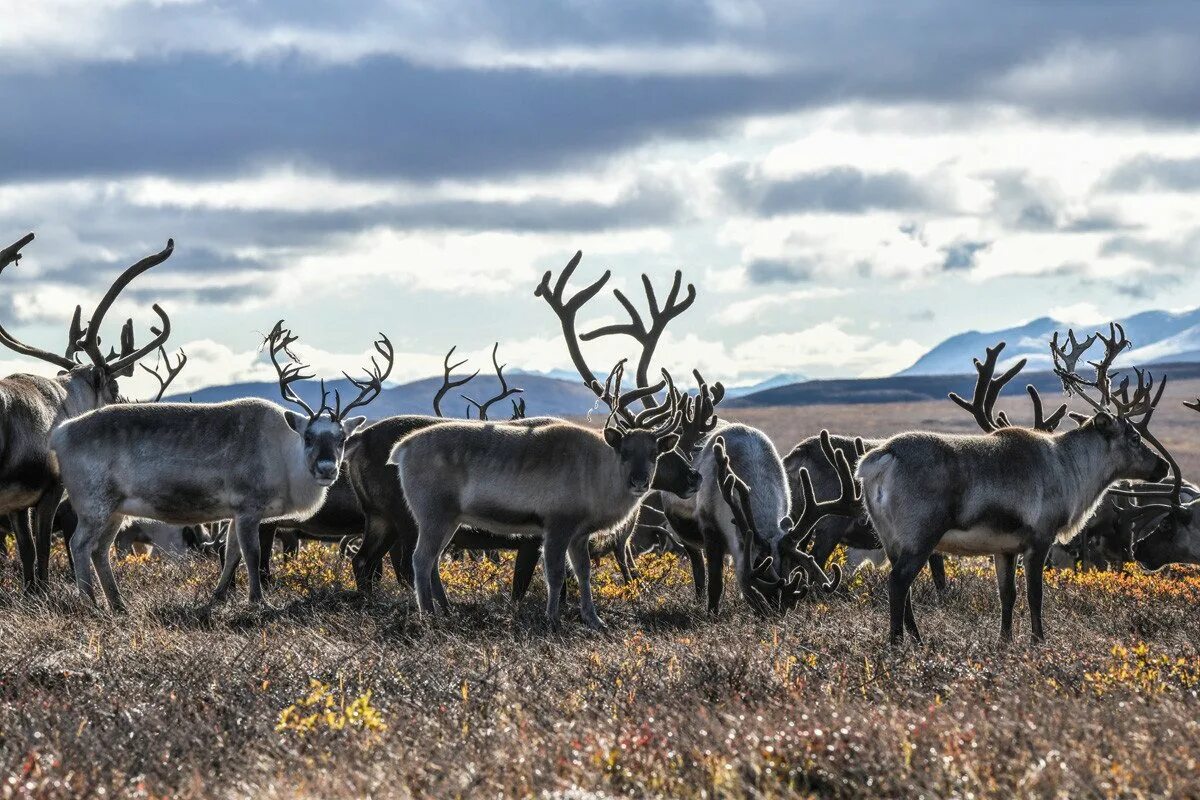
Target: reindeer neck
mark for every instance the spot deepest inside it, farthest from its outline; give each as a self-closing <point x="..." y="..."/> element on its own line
<point x="1084" y="470"/>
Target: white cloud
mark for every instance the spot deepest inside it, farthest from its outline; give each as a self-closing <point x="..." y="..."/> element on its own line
<point x="746" y="310"/>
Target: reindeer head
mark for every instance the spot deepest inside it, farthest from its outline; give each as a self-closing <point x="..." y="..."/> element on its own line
<point x="641" y="440"/>
<point x="325" y="430"/>
<point x="1122" y="418"/>
<point x="94" y="384"/>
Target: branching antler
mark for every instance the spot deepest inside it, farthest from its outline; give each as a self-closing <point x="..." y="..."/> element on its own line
<point x="988" y="388"/>
<point x="448" y="383"/>
<point x="172" y="371"/>
<point x="636" y="328"/>
<point x="370" y="387"/>
<point x="505" y="391"/>
<point x="619" y="402"/>
<point x="1136" y="406"/>
<point x="1067" y="357"/>
<point x="12" y="255"/>
<point x="764" y="589"/>
<point x="280" y="340"/>
<point x="91" y="341"/>
<point x="849" y="501"/>
<point x="567" y="309"/>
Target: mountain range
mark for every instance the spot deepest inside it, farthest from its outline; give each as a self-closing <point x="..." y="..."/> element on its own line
<point x="1161" y="337"/>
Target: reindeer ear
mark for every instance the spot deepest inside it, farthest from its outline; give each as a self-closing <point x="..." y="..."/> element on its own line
<point x="612" y="436"/>
<point x="297" y="422"/>
<point x="352" y="424"/>
<point x="668" y="443"/>
<point x="1103" y="421"/>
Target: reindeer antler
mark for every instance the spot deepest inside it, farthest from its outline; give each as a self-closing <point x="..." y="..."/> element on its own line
<point x="447" y="382"/>
<point x="763" y="588"/>
<point x="567" y="309"/>
<point x="91" y="341"/>
<point x="988" y="388"/>
<point x="280" y="340"/>
<point x="172" y="371"/>
<point x="647" y="335"/>
<point x="505" y="391"/>
<point x="370" y="387"/>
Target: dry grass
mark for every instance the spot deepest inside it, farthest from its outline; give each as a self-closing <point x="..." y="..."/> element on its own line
<point x="330" y="695"/>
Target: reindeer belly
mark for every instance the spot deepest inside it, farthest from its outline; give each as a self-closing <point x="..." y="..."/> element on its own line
<point x="503" y="520"/>
<point x="15" y="498"/>
<point x="980" y="541"/>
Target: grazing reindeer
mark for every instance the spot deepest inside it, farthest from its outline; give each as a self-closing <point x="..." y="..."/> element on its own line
<point x="246" y="460"/>
<point x="1157" y="534"/>
<point x="562" y="480"/>
<point x="782" y="579"/>
<point x="32" y="406"/>
<point x="853" y="531"/>
<point x="1013" y="491"/>
<point x="701" y="521"/>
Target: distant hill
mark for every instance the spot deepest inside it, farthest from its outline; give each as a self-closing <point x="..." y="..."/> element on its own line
<point x="783" y="379"/>
<point x="542" y="395"/>
<point x="912" y="388"/>
<point x="1159" y="337"/>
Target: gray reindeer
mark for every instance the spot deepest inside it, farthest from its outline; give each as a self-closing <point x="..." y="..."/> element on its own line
<point x="32" y="406"/>
<point x="186" y="463"/>
<point x="561" y="480"/>
<point x="1011" y="492"/>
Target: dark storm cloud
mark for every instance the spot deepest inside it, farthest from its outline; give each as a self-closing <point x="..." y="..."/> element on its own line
<point x="198" y="113"/>
<point x="841" y="190"/>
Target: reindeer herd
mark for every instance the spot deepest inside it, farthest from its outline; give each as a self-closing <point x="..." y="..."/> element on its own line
<point x="78" y="458"/>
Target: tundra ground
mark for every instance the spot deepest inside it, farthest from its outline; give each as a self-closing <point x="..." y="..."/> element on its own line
<point x="330" y="695"/>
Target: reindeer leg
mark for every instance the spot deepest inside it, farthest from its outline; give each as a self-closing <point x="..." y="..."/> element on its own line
<point x="581" y="565"/>
<point x="904" y="570"/>
<point x="378" y="538"/>
<point x="247" y="525"/>
<point x="432" y="537"/>
<point x="233" y="557"/>
<point x="84" y="543"/>
<point x="101" y="556"/>
<point x="266" y="544"/>
<point x="937" y="571"/>
<point x="1006" y="584"/>
<point x="528" y="555"/>
<point x="22" y="528"/>
<point x="43" y="517"/>
<point x="554" y="561"/>
<point x="714" y="556"/>
<point x="1035" y="563"/>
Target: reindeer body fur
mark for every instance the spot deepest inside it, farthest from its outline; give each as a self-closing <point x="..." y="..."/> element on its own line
<point x="1014" y="491"/>
<point x="32" y="406"/>
<point x="706" y="520"/>
<point x="182" y="463"/>
<point x="558" y="480"/>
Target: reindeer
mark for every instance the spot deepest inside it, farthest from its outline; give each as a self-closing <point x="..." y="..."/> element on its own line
<point x="562" y="480"/>
<point x="33" y="406"/>
<point x="695" y="520"/>
<point x="1009" y="492"/>
<point x="185" y="463"/>
<point x="853" y="531"/>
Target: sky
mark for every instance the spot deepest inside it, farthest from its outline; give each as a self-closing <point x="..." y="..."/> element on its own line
<point x="846" y="184"/>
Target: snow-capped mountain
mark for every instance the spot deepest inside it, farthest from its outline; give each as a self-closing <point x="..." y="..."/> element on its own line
<point x="1158" y="336"/>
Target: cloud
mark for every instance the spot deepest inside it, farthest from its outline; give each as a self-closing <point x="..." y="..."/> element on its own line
<point x="840" y="190"/>
<point x="829" y="346"/>
<point x="961" y="255"/>
<point x="780" y="270"/>
<point x="1150" y="172"/>
<point x="743" y="311"/>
